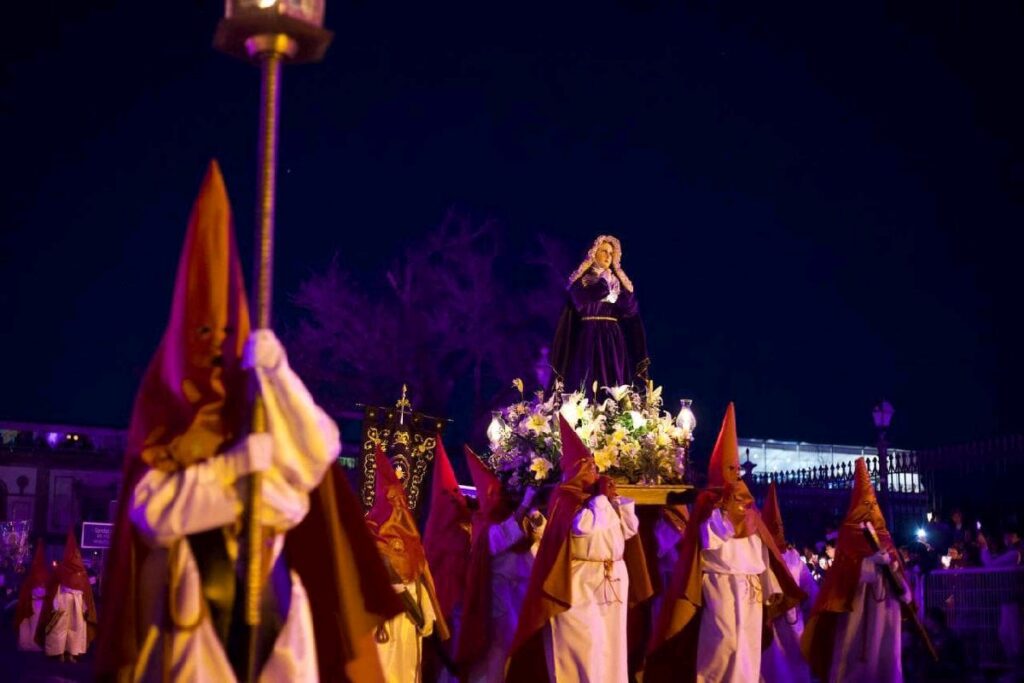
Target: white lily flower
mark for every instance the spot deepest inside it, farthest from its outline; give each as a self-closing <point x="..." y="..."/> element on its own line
<point x="637" y="419"/>
<point x="617" y="393"/>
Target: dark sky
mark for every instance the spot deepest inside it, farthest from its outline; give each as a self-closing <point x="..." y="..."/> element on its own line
<point x="819" y="205"/>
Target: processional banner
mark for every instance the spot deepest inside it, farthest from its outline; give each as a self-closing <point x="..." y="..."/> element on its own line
<point x="408" y="440"/>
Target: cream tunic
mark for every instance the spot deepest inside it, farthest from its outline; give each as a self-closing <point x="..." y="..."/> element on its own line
<point x="587" y="643"/>
<point x="166" y="507"/>
<point x="735" y="584"/>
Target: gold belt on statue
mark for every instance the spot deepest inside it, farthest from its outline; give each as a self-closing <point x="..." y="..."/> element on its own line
<point x="600" y="317"/>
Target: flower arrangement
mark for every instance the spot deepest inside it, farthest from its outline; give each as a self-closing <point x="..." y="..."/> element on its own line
<point x="15" y="550"/>
<point x="631" y="437"/>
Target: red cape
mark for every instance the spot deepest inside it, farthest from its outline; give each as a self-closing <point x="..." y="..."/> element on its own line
<point x="549" y="591"/>
<point x="38" y="575"/>
<point x="191" y="405"/>
<point x="446" y="538"/>
<point x="71" y="573"/>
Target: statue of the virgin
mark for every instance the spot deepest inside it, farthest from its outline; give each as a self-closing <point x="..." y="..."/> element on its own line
<point x="600" y="336"/>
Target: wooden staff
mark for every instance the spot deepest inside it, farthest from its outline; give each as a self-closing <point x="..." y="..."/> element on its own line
<point x="896" y="585"/>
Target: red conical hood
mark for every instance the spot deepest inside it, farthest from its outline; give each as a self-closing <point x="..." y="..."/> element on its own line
<point x="39" y="573"/>
<point x="488" y="486"/>
<point x="444" y="482"/>
<point x="71" y="570"/>
<point x="392" y="524"/>
<point x="574" y="452"/>
<point x="192" y="399"/>
<point x="38" y="576"/>
<point x="771" y="514"/>
<point x="447" y="535"/>
<point x="724" y="467"/>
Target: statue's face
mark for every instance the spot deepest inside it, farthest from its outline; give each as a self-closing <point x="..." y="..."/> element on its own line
<point x="603" y="255"/>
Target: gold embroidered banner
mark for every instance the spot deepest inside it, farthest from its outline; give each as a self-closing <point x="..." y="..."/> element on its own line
<point x="408" y="439"/>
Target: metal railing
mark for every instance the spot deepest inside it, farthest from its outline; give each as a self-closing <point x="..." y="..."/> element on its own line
<point x="983" y="607"/>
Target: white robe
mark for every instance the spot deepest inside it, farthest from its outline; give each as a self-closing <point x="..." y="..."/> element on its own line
<point x="587" y="643"/>
<point x="783" y="662"/>
<point x="510" y="575"/>
<point x="868" y="643"/>
<point x="735" y="584"/>
<point x="166" y="507"/>
<point x="69" y="633"/>
<point x="401" y="656"/>
<point x="27" y="628"/>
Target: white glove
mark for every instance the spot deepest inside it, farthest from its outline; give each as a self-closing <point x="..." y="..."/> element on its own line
<point x="262" y="350"/>
<point x="881" y="557"/>
<point x="254" y="453"/>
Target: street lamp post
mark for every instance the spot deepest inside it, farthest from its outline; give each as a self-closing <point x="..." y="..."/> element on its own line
<point x="882" y="415"/>
<point x="266" y="33"/>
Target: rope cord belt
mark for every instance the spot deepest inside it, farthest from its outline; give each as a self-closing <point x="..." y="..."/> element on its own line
<point x="608" y="584"/>
<point x="600" y="317"/>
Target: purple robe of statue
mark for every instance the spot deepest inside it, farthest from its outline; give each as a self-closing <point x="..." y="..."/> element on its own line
<point x="600" y="335"/>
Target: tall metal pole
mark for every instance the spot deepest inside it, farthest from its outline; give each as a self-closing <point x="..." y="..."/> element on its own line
<point x="268" y="51"/>
<point x="267" y="33"/>
<point x="883" y="478"/>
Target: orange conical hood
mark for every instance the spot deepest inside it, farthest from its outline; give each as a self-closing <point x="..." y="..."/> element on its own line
<point x="192" y="398"/>
<point x="863" y="501"/>
<point x="488" y="486"/>
<point x="724" y="467"/>
<point x="392" y="524"/>
<point x="574" y="451"/>
<point x="771" y="514"/>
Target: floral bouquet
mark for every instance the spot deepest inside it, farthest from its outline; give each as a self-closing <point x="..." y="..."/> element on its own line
<point x="15" y="550"/>
<point x="633" y="440"/>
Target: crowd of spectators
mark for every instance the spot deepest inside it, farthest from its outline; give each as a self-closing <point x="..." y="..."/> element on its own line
<point x="951" y="543"/>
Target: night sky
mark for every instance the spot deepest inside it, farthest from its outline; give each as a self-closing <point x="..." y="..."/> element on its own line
<point x="819" y="205"/>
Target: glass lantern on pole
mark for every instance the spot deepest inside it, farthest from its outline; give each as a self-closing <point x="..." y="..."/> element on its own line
<point x="687" y="422"/>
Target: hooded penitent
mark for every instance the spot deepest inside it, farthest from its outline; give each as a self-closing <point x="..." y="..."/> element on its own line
<point x="771" y="514"/>
<point x="70" y="573"/>
<point x="398" y="540"/>
<point x="193" y="404"/>
<point x="38" y="576"/>
<point x="839" y="587"/>
<point x="673" y="646"/>
<point x="475" y="636"/>
<point x="447" y="535"/>
<point x="549" y="592"/>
